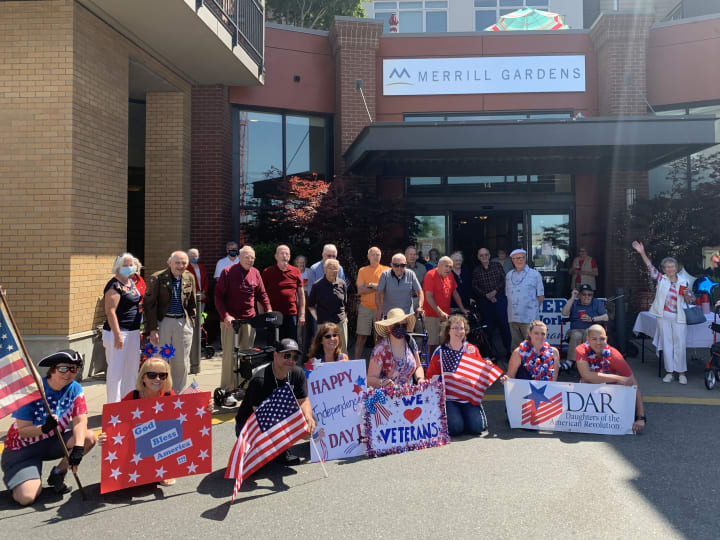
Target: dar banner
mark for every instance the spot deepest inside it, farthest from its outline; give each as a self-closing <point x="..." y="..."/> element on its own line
<point x="151" y="439"/>
<point x="405" y="418"/>
<point x="607" y="409"/>
<point x="335" y="390"/>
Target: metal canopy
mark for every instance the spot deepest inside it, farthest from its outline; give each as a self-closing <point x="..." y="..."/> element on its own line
<point x="537" y="146"/>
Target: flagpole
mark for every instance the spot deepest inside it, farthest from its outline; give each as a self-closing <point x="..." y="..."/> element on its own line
<point x="41" y="389"/>
<point x="312" y="441"/>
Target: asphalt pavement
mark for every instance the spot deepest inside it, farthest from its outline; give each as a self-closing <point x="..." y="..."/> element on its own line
<point x="503" y="484"/>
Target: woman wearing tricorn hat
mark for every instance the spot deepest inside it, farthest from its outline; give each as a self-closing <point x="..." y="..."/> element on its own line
<point x="32" y="438"/>
<point x="395" y="358"/>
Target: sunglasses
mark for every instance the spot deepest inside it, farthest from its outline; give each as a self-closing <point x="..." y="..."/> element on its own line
<point x="403" y="325"/>
<point x="154" y="375"/>
<point x="399" y="265"/>
<point x="66" y="369"/>
<point x="330" y="336"/>
<point x="289" y="355"/>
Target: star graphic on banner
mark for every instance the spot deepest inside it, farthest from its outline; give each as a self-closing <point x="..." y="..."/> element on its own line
<point x="200" y="412"/>
<point x="118" y="438"/>
<point x="360" y="381"/>
<point x="308" y="368"/>
<point x="115" y="473"/>
<point x="112" y="456"/>
<point x="182" y="418"/>
<point x="537" y="394"/>
<point x="191" y="468"/>
<point x="178" y="404"/>
<point x="160" y="472"/>
<point x="357" y="389"/>
<point x="114" y="420"/>
<point x="133" y="476"/>
<point x="136" y="414"/>
<point x="136" y="458"/>
<point x="203" y="455"/>
<point x="205" y="431"/>
<point x="158" y="407"/>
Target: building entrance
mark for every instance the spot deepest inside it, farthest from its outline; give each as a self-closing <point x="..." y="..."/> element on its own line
<point x="473" y="230"/>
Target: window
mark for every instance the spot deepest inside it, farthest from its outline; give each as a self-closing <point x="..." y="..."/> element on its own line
<point x="431" y="235"/>
<point x="464" y="117"/>
<point x="545" y="183"/>
<point x="487" y="12"/>
<point x="414" y="17"/>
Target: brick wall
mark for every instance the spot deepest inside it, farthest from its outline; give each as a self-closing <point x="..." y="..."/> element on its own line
<point x="211" y="172"/>
<point x="167" y="176"/>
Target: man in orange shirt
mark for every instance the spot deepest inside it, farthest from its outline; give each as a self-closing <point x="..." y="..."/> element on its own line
<point x="367" y="283"/>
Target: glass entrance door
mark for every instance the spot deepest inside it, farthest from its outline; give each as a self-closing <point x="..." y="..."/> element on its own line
<point x="550" y="251"/>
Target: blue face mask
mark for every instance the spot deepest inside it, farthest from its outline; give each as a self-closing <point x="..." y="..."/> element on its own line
<point x="194" y="260"/>
<point x="399" y="331"/>
<point x="127" y="271"/>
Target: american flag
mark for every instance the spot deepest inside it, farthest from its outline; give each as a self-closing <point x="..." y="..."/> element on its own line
<point x="538" y="408"/>
<point x="193" y="388"/>
<point x="17" y="385"/>
<point x="276" y="424"/>
<point x="466" y="375"/>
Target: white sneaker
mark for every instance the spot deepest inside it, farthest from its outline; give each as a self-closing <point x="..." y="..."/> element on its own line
<point x="682" y="379"/>
<point x="230" y="401"/>
<point x="669" y="378"/>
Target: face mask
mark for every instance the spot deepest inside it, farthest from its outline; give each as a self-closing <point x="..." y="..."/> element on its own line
<point x="399" y="331"/>
<point x="233" y="252"/>
<point x="127" y="271"/>
<point x="194" y="260"/>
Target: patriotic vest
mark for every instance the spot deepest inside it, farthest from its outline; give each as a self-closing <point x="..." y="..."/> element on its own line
<point x="601" y="364"/>
<point x="540" y="365"/>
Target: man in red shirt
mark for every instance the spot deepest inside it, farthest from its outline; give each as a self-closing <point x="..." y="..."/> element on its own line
<point x="238" y="288"/>
<point x="599" y="363"/>
<point x="439" y="287"/>
<point x="284" y="285"/>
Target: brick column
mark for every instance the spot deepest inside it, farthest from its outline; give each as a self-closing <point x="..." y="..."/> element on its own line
<point x="211" y="213"/>
<point x="620" y="42"/>
<point x="354" y="43"/>
<point x="167" y="177"/>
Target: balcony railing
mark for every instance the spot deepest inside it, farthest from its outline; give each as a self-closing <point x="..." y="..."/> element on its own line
<point x="245" y="20"/>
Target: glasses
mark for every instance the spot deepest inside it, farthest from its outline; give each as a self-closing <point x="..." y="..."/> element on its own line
<point x="457" y="328"/>
<point x="586" y="294"/>
<point x="289" y="355"/>
<point x="399" y="265"/>
<point x="403" y="325"/>
<point x="330" y="336"/>
<point x="155" y="375"/>
<point x="65" y="369"/>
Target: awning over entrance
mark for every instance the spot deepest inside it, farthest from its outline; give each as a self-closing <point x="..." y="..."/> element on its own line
<point x="537" y="146"/>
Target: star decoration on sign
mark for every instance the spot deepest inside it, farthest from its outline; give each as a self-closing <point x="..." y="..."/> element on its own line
<point x="114" y="420"/>
<point x="160" y="472"/>
<point x="192" y="467"/>
<point x="158" y="407"/>
<point x="203" y="455"/>
<point x="115" y="473"/>
<point x="357" y="389"/>
<point x="118" y="438"/>
<point x="133" y="476"/>
<point x="360" y="381"/>
<point x="308" y="368"/>
<point x="136" y="458"/>
<point x="205" y="431"/>
<point x="200" y="412"/>
<point x="177" y="404"/>
<point x="112" y="456"/>
<point x="182" y="418"/>
<point x="537" y="394"/>
<point x="136" y="414"/>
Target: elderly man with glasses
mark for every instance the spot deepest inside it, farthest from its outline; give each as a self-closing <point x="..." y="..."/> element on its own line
<point x="397" y="287"/>
<point x="525" y="293"/>
<point x="283" y="369"/>
<point x="488" y="283"/>
<point x="583" y="315"/>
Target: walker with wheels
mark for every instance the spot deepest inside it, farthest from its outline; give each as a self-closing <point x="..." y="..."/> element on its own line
<point x="712" y="367"/>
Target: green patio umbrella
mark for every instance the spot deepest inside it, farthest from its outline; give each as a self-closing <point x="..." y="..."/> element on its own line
<point x="529" y="19"/>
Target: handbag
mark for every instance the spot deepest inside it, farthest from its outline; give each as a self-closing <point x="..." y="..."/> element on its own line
<point x="694" y="315"/>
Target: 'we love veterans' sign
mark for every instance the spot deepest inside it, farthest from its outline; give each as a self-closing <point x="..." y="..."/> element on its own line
<point x="149" y="440"/>
<point x="335" y="390"/>
<point x="607" y="409"/>
<point x="407" y="418"/>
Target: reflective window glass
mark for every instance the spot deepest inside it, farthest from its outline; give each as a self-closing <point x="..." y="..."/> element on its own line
<point x="262" y="145"/>
<point x="436" y="21"/>
<point x="410" y="22"/>
<point x="305" y="145"/>
<point x="431" y="235"/>
<point x="385" y="18"/>
<point x="484" y="18"/>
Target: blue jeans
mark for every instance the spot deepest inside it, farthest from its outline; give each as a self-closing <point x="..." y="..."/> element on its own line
<point x="465" y="418"/>
<point x="289" y="327"/>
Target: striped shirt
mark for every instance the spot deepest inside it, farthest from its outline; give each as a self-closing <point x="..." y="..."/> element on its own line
<point x="176" y="307"/>
<point x="672" y="296"/>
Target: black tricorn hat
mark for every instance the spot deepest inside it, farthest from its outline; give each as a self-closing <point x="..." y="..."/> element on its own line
<point x="66" y="356"/>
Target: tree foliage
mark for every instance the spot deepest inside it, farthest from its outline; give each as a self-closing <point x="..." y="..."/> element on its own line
<point x="318" y="14"/>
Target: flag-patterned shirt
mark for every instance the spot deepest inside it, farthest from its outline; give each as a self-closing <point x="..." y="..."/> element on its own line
<point x="672" y="295"/>
<point x="66" y="404"/>
<point x="465" y="374"/>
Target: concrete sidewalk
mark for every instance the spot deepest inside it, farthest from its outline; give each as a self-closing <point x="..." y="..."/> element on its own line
<point x="652" y="387"/>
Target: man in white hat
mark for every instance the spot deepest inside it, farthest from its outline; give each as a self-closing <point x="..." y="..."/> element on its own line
<point x="525" y="293"/>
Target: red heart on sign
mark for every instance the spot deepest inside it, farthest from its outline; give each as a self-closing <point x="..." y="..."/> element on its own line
<point x="412" y="414"/>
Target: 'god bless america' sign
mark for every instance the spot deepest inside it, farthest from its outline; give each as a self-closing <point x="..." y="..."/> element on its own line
<point x="483" y="75"/>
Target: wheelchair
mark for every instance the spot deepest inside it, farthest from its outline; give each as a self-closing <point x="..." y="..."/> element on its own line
<point x="247" y="361"/>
